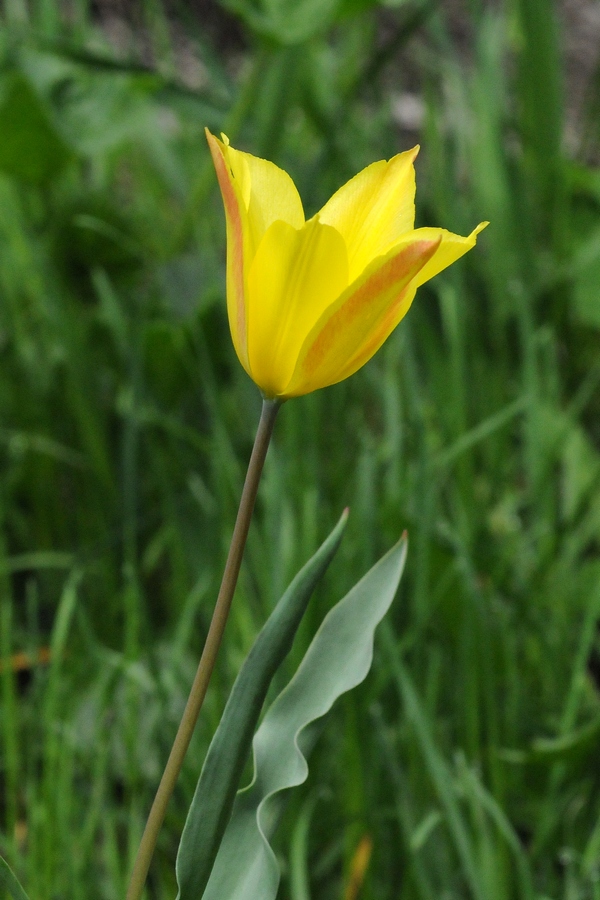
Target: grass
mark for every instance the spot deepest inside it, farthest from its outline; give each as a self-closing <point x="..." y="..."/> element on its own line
<point x="469" y="757"/>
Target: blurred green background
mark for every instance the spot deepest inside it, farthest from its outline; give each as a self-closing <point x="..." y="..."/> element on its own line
<point x="470" y="758"/>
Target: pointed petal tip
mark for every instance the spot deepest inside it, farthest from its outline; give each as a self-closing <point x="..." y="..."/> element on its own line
<point x="214" y="144"/>
<point x="479" y="228"/>
<point x="411" y="154"/>
<point x="214" y="141"/>
<point x="405" y="155"/>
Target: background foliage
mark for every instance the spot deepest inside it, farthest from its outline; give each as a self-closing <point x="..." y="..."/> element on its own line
<point x="467" y="762"/>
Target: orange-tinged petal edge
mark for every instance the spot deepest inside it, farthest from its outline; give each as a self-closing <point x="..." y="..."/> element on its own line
<point x="235" y="215"/>
<point x="452" y="247"/>
<point x="350" y="323"/>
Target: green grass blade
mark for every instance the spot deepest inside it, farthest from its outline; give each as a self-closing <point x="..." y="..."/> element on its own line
<point x="299" y="870"/>
<point x="10" y="883"/>
<point x="435" y="765"/>
<point x="495" y="812"/>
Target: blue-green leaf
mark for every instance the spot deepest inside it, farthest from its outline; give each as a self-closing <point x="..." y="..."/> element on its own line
<point x="9" y="882"/>
<point x="337" y="660"/>
<point x="228" y="752"/>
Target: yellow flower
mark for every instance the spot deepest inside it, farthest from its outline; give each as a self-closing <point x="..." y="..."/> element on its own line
<point x="310" y="302"/>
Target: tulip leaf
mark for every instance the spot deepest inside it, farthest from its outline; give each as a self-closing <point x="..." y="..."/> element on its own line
<point x="337" y="660"/>
<point x="230" y="746"/>
<point x="9" y="882"/>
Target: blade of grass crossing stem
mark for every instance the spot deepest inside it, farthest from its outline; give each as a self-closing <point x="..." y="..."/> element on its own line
<point x="299" y="879"/>
<point x="476" y="789"/>
<point x="9" y="882"/>
<point x="54" y="750"/>
<point x="436" y="766"/>
<point x="338" y="659"/>
<point x="420" y="872"/>
<point x="60" y="633"/>
<point x="228" y="752"/>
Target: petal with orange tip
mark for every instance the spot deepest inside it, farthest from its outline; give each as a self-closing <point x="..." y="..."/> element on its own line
<point x="374" y="209"/>
<point x="350" y="323"/>
<point x="452" y="247"/>
<point x="236" y="218"/>
<point x="255" y="193"/>
<point x="268" y="192"/>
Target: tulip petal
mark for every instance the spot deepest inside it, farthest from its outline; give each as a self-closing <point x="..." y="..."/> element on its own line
<point x="295" y="275"/>
<point x="269" y="193"/>
<point x="392" y="317"/>
<point x="273" y="197"/>
<point x="451" y="248"/>
<point x="255" y="193"/>
<point x="361" y="318"/>
<point x="374" y="209"/>
<point x="238" y="249"/>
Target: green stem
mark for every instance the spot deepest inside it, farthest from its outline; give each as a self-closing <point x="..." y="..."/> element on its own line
<point x="209" y="654"/>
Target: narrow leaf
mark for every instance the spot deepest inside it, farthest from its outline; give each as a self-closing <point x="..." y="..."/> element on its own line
<point x="337" y="660"/>
<point x="9" y="882"/>
<point x="228" y="752"/>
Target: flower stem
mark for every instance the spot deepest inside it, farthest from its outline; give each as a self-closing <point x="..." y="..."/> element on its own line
<point x="206" y="665"/>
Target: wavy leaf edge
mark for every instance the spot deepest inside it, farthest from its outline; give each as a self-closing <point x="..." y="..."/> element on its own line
<point x="245" y="802"/>
<point x="216" y="790"/>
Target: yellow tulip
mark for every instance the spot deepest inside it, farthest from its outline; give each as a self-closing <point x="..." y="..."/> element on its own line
<point x="310" y="302"/>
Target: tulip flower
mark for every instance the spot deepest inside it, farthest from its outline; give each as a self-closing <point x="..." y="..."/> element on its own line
<point x="310" y="302"/>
